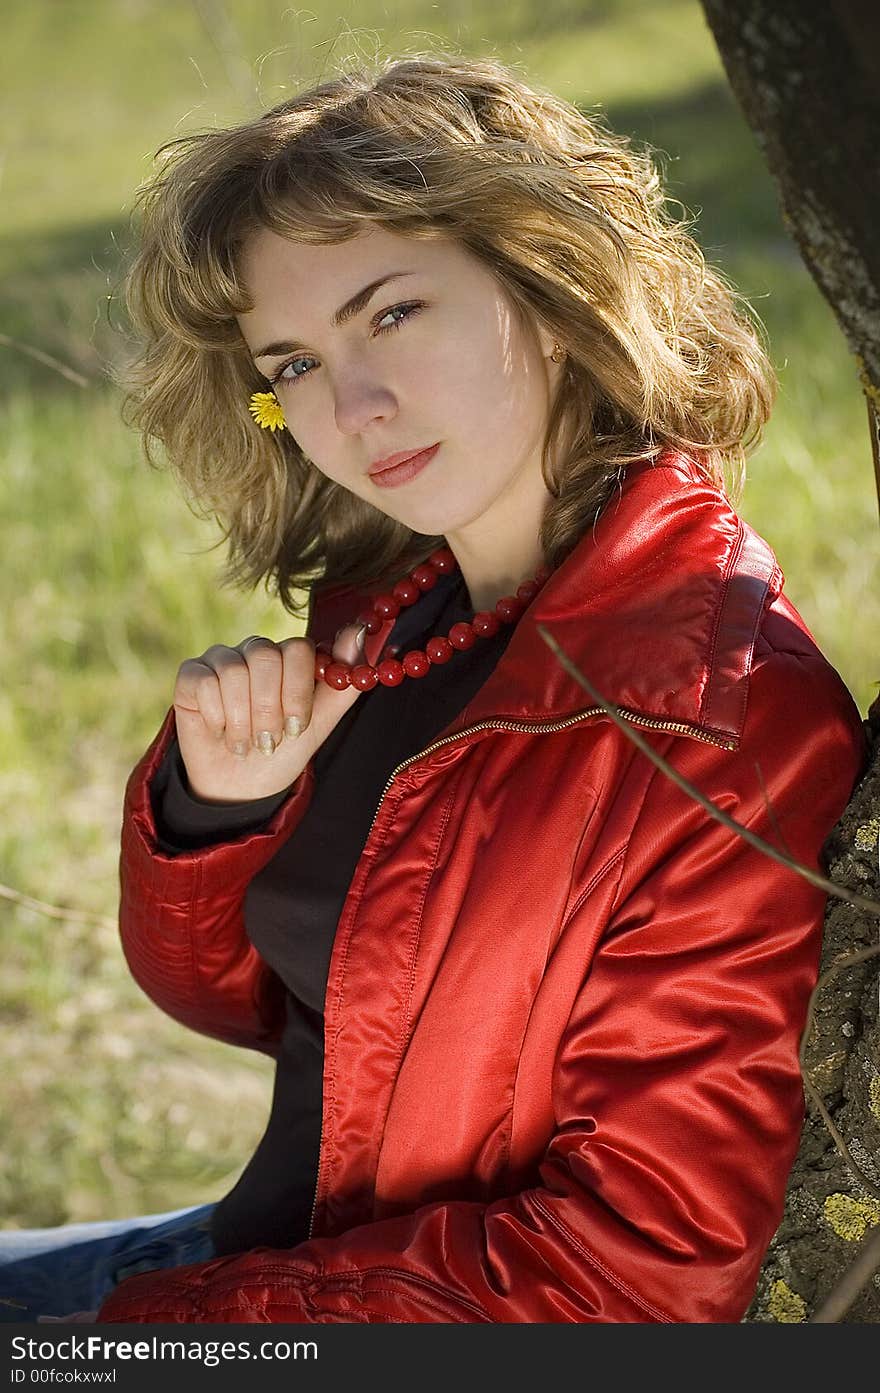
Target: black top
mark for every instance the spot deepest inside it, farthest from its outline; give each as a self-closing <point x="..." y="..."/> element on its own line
<point x="293" y="905"/>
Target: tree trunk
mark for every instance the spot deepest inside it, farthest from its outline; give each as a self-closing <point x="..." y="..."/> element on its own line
<point x="828" y="1207"/>
<point x="805" y="73"/>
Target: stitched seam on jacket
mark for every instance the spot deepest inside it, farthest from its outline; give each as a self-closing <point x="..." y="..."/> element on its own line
<point x="729" y="565"/>
<point x="329" y="1121"/>
<point x="756" y="627"/>
<point x="190" y="927"/>
<point x="588" y="890"/>
<point x="419" y="1298"/>
<point x="377" y="1317"/>
<point x="447" y="813"/>
<point x="754" y="550"/>
<point x="584" y="894"/>
<point x="403" y="1035"/>
<point x="216" y="1313"/>
<point x="343" y="1282"/>
<point x="606" y="1272"/>
<point x="655" y="772"/>
<point x="146" y="954"/>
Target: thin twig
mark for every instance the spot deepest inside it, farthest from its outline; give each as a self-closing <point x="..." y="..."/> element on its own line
<point x="861" y="955"/>
<point x="77" y="916"/>
<point x="829" y="886"/>
<point x="220" y="29"/>
<point x="769" y="808"/>
<point x="47" y="359"/>
<point x="856" y="1276"/>
<point x="872" y="401"/>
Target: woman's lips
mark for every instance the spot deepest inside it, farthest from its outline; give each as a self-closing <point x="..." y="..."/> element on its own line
<point x="402" y="473"/>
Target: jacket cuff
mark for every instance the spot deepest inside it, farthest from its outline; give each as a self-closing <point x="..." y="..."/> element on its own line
<point x="239" y="858"/>
<point x="172" y="1297"/>
<point x="185" y="823"/>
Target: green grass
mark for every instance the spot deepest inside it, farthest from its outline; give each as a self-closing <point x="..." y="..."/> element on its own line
<point x="107" y="1108"/>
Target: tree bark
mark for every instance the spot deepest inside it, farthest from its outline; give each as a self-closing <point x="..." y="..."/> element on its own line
<point x="805" y="73"/>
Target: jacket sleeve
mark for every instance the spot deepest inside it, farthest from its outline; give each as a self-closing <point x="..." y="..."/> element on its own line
<point x="676" y="1088"/>
<point x="181" y="917"/>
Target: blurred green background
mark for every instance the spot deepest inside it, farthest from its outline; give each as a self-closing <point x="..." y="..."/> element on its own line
<point x="107" y="1108"/>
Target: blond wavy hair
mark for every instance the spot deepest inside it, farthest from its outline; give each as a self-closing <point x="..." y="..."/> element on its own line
<point x="569" y="217"/>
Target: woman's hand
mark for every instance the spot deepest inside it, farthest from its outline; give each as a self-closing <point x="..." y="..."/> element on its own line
<point x="238" y="710"/>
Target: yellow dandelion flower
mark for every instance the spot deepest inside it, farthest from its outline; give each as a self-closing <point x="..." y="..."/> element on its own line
<point x="266" y="411"/>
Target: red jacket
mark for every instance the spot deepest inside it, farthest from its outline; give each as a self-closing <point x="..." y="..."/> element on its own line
<point x="564" y="1004"/>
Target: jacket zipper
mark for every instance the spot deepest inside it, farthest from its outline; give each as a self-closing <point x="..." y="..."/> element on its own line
<point x="539" y="728"/>
<point x="546" y="727"/>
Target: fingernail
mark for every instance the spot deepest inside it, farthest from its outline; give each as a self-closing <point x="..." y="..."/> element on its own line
<point x="360" y="636"/>
<point x="266" y="742"/>
<point x="240" y="748"/>
<point x="293" y="727"/>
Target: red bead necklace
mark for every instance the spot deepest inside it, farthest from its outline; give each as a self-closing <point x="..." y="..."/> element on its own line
<point x="390" y="672"/>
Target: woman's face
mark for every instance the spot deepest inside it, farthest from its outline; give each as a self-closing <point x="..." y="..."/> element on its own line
<point x="436" y="356"/>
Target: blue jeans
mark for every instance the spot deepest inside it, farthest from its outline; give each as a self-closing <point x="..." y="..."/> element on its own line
<point x="53" y="1272"/>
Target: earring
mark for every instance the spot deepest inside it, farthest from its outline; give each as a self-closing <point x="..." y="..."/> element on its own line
<point x="266" y="411"/>
<point x="558" y="353"/>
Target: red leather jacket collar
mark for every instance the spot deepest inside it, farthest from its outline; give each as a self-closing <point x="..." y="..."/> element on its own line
<point x="658" y="606"/>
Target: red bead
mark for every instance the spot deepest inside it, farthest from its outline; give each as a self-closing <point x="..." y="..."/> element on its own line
<point x="416" y="664"/>
<point x="425" y="577"/>
<point x="509" y="608"/>
<point x="485" y="624"/>
<point x="390" y="673"/>
<point x="338" y="675"/>
<point x="443" y="560"/>
<point x="406" y="592"/>
<point x="439" y="650"/>
<point x="364" y="678"/>
<point x="386" y="606"/>
<point x="372" y="621"/>
<point x="462" y="636"/>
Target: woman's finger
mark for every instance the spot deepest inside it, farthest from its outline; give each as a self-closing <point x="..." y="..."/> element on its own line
<point x="264" y="663"/>
<point x="233" y="675"/>
<point x="297" y="684"/>
<point x="198" y="690"/>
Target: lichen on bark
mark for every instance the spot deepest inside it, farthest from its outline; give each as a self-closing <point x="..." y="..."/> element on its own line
<point x="828" y="1210"/>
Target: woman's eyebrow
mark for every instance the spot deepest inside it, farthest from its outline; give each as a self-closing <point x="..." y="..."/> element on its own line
<point x="345" y="312"/>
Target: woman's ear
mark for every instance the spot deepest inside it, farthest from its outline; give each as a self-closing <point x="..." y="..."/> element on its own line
<point x="552" y="349"/>
<point x="547" y="341"/>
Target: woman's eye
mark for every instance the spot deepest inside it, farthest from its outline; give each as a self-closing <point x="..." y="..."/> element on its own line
<point x="279" y="376"/>
<point x="406" y="310"/>
<point x="409" y="309"/>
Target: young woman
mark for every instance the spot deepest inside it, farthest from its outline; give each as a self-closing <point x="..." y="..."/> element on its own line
<point x="535" y="1013"/>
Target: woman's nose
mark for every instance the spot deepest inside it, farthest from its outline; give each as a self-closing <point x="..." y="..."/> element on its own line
<point x="360" y="401"/>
